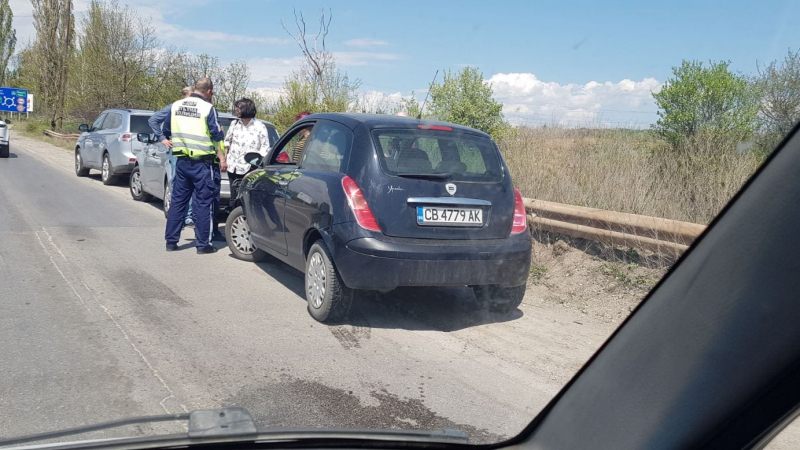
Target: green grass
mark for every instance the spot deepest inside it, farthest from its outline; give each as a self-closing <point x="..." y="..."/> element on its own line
<point x="537" y="273"/>
<point x="622" y="275"/>
<point x="34" y="128"/>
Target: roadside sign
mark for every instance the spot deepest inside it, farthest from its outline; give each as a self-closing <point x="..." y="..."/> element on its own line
<point x="30" y="103"/>
<point x="13" y="100"/>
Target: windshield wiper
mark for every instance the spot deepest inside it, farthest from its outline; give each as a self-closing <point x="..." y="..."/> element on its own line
<point x="427" y="176"/>
<point x="232" y="425"/>
<point x="210" y="423"/>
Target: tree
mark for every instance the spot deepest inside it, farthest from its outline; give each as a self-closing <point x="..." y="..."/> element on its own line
<point x="465" y="99"/>
<point x="119" y="50"/>
<point x="779" y="92"/>
<point x="8" y="39"/>
<point x="51" y="53"/>
<point x="409" y="106"/>
<point x="232" y="86"/>
<point x="706" y="99"/>
<point x="320" y="83"/>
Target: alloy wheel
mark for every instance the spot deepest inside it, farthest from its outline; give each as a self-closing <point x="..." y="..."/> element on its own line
<point x="317" y="281"/>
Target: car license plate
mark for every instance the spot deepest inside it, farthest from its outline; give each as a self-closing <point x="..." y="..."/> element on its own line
<point x="458" y="217"/>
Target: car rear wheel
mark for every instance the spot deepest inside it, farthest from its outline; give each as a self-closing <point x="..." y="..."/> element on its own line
<point x="79" y="169"/>
<point x="107" y="174"/>
<point x="329" y="300"/>
<point x="167" y="197"/>
<point x="137" y="189"/>
<point x="500" y="299"/>
<point x="237" y="233"/>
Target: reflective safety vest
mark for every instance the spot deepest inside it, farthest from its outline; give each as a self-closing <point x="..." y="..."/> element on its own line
<point x="189" y="126"/>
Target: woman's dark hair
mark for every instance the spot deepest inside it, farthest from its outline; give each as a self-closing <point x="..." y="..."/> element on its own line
<point x="247" y="109"/>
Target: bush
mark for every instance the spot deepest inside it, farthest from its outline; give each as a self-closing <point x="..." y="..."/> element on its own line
<point x="628" y="171"/>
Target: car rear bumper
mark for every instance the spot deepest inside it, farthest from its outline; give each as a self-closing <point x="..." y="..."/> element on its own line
<point x="373" y="263"/>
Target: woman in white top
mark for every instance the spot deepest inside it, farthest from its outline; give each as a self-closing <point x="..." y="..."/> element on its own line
<point x="245" y="135"/>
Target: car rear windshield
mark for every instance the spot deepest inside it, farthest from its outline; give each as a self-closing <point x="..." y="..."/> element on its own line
<point x="139" y="124"/>
<point x="459" y="156"/>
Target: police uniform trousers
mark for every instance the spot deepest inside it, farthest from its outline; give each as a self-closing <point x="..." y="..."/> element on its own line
<point x="198" y="178"/>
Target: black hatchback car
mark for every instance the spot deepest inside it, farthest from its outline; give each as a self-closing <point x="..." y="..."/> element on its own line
<point x="374" y="202"/>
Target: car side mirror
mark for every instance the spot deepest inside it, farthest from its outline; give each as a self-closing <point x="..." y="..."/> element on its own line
<point x="83" y="128"/>
<point x="7" y="120"/>
<point x="253" y="158"/>
<point x="144" y="138"/>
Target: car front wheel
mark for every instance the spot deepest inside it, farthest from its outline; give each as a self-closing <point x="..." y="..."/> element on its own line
<point x="167" y="197"/>
<point x="237" y="233"/>
<point x="500" y="299"/>
<point x="329" y="300"/>
<point x="137" y="189"/>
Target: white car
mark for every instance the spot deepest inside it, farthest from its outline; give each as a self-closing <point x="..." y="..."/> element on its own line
<point x="5" y="137"/>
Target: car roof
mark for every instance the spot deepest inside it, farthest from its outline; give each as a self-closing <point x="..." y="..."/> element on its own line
<point x="231" y="116"/>
<point x="130" y="111"/>
<point x="352" y="120"/>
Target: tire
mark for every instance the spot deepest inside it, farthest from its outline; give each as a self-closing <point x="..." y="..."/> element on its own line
<point x="499" y="299"/>
<point x="237" y="233"/>
<point x="80" y="170"/>
<point x="107" y="172"/>
<point x="329" y="300"/>
<point x="5" y="151"/>
<point x="135" y="185"/>
<point x="167" y="197"/>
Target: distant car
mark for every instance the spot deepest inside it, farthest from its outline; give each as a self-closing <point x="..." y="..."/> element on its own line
<point x="152" y="171"/>
<point x="375" y="202"/>
<point x="109" y="144"/>
<point x="5" y="138"/>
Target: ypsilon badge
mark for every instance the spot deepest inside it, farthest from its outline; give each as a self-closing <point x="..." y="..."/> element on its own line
<point x="451" y="188"/>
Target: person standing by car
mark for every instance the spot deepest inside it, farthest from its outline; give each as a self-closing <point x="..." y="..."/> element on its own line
<point x="244" y="135"/>
<point x="298" y="148"/>
<point x="197" y="143"/>
<point x="155" y="122"/>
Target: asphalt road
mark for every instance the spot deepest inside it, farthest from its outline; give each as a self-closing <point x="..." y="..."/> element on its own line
<point x="98" y="322"/>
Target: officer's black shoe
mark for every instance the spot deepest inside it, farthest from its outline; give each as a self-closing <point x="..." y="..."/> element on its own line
<point x="206" y="249"/>
<point x="172" y="247"/>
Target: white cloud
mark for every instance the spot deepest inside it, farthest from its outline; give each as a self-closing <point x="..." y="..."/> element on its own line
<point x="154" y="11"/>
<point x="272" y="70"/>
<point x="526" y="99"/>
<point x="365" y="42"/>
<point x="362" y="58"/>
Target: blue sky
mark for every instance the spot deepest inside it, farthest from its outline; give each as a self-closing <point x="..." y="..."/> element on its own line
<point x="548" y="61"/>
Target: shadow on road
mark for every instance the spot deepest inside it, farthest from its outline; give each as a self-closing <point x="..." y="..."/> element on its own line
<point x="437" y="309"/>
<point x="11" y="155"/>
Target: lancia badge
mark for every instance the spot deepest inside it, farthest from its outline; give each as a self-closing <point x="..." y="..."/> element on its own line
<point x="451" y="188"/>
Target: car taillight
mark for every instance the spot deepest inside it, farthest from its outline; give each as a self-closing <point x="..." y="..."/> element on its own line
<point x="434" y="127"/>
<point x="358" y="204"/>
<point x="283" y="158"/>
<point x="520" y="218"/>
<point x="125" y="137"/>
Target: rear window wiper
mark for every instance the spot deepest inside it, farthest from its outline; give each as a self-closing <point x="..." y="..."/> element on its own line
<point x="427" y="176"/>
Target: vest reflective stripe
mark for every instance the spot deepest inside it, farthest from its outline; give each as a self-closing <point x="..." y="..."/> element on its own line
<point x="196" y="137"/>
<point x="189" y="126"/>
<point x="190" y="145"/>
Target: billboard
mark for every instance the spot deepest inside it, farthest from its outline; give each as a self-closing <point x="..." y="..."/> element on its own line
<point x="13" y="100"/>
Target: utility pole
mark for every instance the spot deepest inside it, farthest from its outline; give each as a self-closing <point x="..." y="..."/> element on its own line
<point x="66" y="20"/>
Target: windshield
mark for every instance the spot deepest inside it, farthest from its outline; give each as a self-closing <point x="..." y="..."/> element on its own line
<point x="464" y="157"/>
<point x="461" y="201"/>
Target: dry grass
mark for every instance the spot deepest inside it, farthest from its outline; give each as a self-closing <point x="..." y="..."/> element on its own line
<point x="627" y="171"/>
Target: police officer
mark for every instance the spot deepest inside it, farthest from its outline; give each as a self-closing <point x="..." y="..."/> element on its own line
<point x="196" y="137"/>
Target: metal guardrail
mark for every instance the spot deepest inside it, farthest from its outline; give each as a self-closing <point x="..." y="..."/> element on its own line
<point x="68" y="136"/>
<point x="663" y="236"/>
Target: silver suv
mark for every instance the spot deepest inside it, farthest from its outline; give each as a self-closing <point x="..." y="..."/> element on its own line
<point x="108" y="144"/>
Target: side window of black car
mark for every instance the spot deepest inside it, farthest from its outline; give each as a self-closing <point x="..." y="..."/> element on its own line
<point x="328" y="148"/>
<point x="292" y="149"/>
